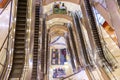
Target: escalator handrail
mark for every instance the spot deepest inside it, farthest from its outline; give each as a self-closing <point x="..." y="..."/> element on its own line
<point x="5" y="6"/>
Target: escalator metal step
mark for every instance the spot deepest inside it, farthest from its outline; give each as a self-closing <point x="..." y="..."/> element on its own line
<point x="22" y="4"/>
<point x="15" y="75"/>
<point x="19" y="52"/>
<point x="20" y="66"/>
<point x="22" y="8"/>
<point x="19" y="46"/>
<point x="18" y="61"/>
<point x="19" y="55"/>
<point x="20" y="24"/>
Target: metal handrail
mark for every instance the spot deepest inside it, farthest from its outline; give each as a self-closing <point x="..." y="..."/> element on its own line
<point x="5" y="6"/>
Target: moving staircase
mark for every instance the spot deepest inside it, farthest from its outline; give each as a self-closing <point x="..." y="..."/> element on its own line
<point x="74" y="45"/>
<point x="82" y="42"/>
<point x="36" y="39"/>
<point x="95" y="32"/>
<point x="19" y="43"/>
<point x="71" y="53"/>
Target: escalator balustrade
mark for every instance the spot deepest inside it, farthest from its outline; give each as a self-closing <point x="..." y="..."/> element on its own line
<point x="36" y="39"/>
<point x="19" y="43"/>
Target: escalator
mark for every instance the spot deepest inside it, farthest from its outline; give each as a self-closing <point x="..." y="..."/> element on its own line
<point x="19" y="43"/>
<point x="95" y="32"/>
<point x="82" y="42"/>
<point x="74" y="45"/>
<point x="70" y="52"/>
<point x="36" y="39"/>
